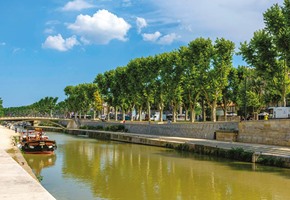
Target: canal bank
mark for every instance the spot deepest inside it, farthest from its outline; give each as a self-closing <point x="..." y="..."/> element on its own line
<point x="272" y="155"/>
<point x="17" y="180"/>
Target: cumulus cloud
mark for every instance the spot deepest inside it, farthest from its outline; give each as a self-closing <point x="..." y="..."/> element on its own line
<point x="167" y="39"/>
<point x="141" y="23"/>
<point x="151" y="37"/>
<point x="77" y="5"/>
<point x="159" y="38"/>
<point x="100" y="28"/>
<point x="57" y="42"/>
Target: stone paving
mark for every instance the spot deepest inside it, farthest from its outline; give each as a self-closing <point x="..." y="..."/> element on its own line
<point x="15" y="182"/>
<point x="279" y="151"/>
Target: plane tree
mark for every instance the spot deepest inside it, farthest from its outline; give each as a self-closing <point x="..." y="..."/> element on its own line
<point x="269" y="49"/>
<point x="80" y="97"/>
<point x="97" y="103"/>
<point x="172" y="72"/>
<point x="160" y="84"/>
<point x="135" y="85"/>
<point x="222" y="55"/>
<point x="198" y="57"/>
<point x="105" y="82"/>
<point x="121" y="91"/>
<point x="61" y="109"/>
<point x="230" y="92"/>
<point x="149" y="72"/>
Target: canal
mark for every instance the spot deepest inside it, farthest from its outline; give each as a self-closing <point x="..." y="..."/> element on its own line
<point x="84" y="168"/>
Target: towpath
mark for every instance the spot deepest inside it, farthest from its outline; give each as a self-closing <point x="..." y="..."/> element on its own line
<point x="271" y="150"/>
<point x="15" y="182"/>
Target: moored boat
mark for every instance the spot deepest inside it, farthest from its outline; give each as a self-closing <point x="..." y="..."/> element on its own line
<point x="36" y="142"/>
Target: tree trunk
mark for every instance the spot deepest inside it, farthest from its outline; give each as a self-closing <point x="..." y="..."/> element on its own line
<point x="161" y="112"/>
<point x="192" y="113"/>
<point x="94" y="115"/>
<point x="213" y="111"/>
<point x="174" y="112"/>
<point x="108" y="112"/>
<point x="140" y="114"/>
<point x="132" y="109"/>
<point x="116" y="114"/>
<point x="149" y="111"/>
<point x="203" y="111"/>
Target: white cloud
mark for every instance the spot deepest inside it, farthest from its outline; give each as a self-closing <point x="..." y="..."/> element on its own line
<point x="158" y="38"/>
<point x="2" y="43"/>
<point x="168" y="39"/>
<point x="151" y="37"/>
<point x="100" y="28"/>
<point x="17" y="49"/>
<point x="59" y="43"/>
<point x="234" y="20"/>
<point x="141" y="23"/>
<point x="77" y="5"/>
<point x="49" y="30"/>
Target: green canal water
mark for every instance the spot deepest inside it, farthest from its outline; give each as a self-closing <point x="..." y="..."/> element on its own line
<point x="85" y="169"/>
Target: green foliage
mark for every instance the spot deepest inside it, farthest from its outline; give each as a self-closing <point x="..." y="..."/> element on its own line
<point x="239" y="154"/>
<point x="80" y="98"/>
<point x="98" y="103"/>
<point x="269" y="50"/>
<point x="182" y="147"/>
<point x="39" y="178"/>
<point x="116" y="128"/>
<point x="86" y="127"/>
<point x="271" y="161"/>
<point x="113" y="128"/>
<point x="43" y="107"/>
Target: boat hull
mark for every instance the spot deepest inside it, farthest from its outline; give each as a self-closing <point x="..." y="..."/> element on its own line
<point x="39" y="147"/>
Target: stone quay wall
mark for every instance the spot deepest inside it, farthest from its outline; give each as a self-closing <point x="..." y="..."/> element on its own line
<point x="270" y="132"/>
<point x="201" y="130"/>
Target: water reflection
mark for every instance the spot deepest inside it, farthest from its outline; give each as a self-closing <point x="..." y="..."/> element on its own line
<point x="92" y="169"/>
<point x="37" y="162"/>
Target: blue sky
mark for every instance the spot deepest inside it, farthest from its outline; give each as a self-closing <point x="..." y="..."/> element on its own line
<point x="46" y="45"/>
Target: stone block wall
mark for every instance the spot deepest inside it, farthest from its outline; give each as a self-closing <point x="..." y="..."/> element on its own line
<point x="270" y="132"/>
<point x="201" y="130"/>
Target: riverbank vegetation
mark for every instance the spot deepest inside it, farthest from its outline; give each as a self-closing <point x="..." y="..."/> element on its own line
<point x="238" y="154"/>
<point x="198" y="77"/>
<point x="113" y="128"/>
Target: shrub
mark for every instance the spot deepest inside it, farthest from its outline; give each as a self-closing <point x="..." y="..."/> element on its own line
<point x="271" y="161"/>
<point x="116" y="128"/>
<point x="92" y="127"/>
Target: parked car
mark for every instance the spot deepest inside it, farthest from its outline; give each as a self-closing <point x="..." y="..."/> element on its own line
<point x="120" y="117"/>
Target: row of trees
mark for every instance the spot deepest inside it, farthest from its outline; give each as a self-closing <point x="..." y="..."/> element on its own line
<point x="200" y="74"/>
<point x="179" y="78"/>
<point x="80" y="99"/>
<point x="44" y="107"/>
<point x="83" y="98"/>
